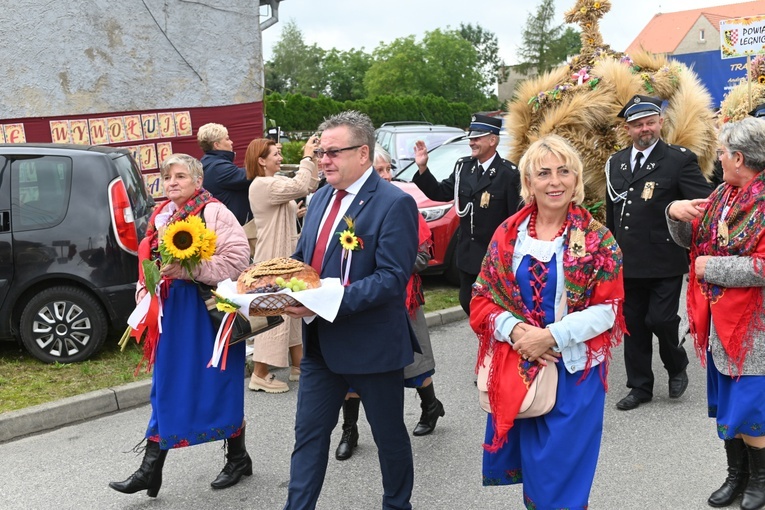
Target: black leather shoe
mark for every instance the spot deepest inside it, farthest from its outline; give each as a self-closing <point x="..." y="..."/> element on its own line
<point x="677" y="384"/>
<point x="631" y="402"/>
<point x="348" y="442"/>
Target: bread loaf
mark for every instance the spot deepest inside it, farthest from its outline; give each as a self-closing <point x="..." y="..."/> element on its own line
<point x="262" y="276"/>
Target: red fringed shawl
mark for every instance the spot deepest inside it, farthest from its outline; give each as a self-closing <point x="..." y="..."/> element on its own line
<point x="735" y="311"/>
<point x="414" y="295"/>
<point x="593" y="276"/>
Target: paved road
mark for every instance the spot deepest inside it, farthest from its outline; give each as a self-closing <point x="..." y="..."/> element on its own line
<point x="664" y="455"/>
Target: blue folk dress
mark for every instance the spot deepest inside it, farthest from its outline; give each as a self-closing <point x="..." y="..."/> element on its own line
<point x="735" y="402"/>
<point x="191" y="403"/>
<point x="555" y="455"/>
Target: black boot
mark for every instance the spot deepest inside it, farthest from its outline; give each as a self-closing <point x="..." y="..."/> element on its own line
<point x="432" y="409"/>
<point x="350" y="438"/>
<point x="754" y="494"/>
<point x="148" y="476"/>
<point x="738" y="474"/>
<point x="238" y="463"/>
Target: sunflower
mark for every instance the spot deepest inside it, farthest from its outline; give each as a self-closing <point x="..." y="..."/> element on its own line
<point x="207" y="248"/>
<point x="348" y="240"/>
<point x="183" y="238"/>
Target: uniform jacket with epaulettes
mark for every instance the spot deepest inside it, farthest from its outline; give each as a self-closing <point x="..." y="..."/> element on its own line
<point x="637" y="219"/>
<point x="501" y="181"/>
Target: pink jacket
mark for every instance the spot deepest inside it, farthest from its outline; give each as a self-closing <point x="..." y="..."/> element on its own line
<point x="232" y="250"/>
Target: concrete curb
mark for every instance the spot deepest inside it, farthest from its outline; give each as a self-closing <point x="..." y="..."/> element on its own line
<point x="15" y="424"/>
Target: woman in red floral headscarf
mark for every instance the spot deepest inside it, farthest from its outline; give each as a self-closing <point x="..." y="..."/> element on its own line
<point x="725" y="304"/>
<point x="549" y="293"/>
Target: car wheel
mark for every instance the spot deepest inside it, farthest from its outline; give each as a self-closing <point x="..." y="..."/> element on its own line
<point x="63" y="324"/>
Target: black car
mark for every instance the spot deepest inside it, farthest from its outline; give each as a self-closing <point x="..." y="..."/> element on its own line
<point x="71" y="217"/>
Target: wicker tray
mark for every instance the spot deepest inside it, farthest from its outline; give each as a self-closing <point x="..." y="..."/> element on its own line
<point x="271" y="304"/>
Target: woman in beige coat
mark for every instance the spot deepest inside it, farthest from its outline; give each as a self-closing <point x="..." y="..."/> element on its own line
<point x="275" y="212"/>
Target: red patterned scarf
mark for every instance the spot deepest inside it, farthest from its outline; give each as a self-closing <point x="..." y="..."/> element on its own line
<point x="735" y="311"/>
<point x="414" y="296"/>
<point x="592" y="265"/>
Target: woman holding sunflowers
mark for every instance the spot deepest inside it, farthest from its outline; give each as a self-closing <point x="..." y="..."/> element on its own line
<point x="274" y="210"/>
<point x="190" y="403"/>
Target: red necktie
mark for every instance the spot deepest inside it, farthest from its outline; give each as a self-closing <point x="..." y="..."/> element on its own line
<point x="326" y="229"/>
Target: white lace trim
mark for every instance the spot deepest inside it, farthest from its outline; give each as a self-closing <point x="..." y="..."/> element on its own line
<point x="543" y="251"/>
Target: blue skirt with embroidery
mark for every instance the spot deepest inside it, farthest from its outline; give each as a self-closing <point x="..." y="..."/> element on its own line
<point x="190" y="403"/>
<point x="554" y="455"/>
<point x="737" y="403"/>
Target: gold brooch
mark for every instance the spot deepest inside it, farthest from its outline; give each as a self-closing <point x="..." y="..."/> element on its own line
<point x="576" y="243"/>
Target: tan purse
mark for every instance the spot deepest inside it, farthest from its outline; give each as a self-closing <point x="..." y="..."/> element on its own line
<point x="252" y="234"/>
<point x="540" y="398"/>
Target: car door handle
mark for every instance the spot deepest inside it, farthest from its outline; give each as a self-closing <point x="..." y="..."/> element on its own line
<point x="5" y="221"/>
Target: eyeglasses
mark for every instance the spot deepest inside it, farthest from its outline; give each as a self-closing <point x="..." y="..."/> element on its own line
<point x="720" y="152"/>
<point x="332" y="153"/>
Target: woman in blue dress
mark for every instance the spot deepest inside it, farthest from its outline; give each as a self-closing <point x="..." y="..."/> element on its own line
<point x="191" y="403"/>
<point x="550" y="292"/>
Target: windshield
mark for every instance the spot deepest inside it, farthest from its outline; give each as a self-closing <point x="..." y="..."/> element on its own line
<point x="441" y="160"/>
<point x="405" y="143"/>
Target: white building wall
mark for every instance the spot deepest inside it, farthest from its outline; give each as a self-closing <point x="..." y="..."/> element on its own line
<point x="88" y="56"/>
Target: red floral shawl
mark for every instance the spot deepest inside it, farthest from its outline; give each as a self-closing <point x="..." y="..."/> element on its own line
<point x="593" y="276"/>
<point x="735" y="311"/>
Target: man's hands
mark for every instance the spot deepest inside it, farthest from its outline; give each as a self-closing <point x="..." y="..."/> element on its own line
<point x="298" y="312"/>
<point x="421" y="155"/>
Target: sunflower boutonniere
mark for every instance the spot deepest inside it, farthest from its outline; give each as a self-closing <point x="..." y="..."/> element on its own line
<point x="350" y="242"/>
<point x="348" y="238"/>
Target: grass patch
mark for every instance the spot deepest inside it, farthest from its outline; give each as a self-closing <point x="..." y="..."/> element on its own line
<point x="440" y="298"/>
<point x="25" y="381"/>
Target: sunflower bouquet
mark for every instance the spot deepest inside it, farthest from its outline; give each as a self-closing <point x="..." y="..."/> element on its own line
<point x="187" y="242"/>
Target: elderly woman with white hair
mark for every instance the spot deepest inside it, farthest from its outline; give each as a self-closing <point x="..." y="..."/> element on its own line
<point x="419" y="374"/>
<point x="190" y="403"/>
<point x="726" y="292"/>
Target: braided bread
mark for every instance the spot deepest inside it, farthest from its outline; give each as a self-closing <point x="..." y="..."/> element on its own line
<point x="264" y="274"/>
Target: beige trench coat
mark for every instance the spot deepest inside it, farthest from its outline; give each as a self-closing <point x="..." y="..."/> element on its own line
<point x="272" y="200"/>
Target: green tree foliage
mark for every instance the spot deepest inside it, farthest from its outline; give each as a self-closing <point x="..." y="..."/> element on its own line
<point x="295" y="67"/>
<point x="295" y="112"/>
<point x="343" y="73"/>
<point x="490" y="66"/>
<point x="545" y="44"/>
<point x="443" y="64"/>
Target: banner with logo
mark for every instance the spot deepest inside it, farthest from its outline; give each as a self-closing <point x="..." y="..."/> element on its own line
<point x="740" y="37"/>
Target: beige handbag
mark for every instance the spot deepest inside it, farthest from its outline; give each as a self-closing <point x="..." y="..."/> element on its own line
<point x="252" y="234"/>
<point x="540" y="398"/>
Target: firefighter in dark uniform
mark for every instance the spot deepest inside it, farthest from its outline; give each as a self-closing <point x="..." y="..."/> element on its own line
<point x="642" y="180"/>
<point x="487" y="190"/>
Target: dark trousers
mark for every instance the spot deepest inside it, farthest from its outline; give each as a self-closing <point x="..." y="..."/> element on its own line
<point x="320" y="397"/>
<point x="650" y="308"/>
<point x="466" y="289"/>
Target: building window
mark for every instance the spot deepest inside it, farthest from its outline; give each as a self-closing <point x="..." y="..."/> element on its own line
<point x="701" y="35"/>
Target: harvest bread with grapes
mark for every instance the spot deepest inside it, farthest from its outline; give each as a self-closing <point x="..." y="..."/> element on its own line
<point x="262" y="276"/>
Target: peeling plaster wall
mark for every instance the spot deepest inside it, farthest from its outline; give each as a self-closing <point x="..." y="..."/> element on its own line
<point x="90" y="56"/>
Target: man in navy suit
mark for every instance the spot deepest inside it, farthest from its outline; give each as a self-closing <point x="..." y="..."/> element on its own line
<point x="370" y="342"/>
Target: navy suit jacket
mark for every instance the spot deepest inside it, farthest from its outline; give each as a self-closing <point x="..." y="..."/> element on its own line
<point x="371" y="333"/>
